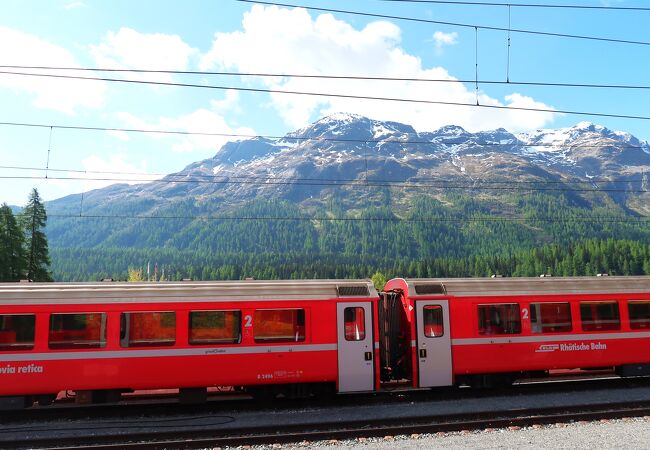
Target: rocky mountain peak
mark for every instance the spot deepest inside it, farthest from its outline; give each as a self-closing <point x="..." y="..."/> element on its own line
<point x="351" y="147"/>
<point x="353" y="127"/>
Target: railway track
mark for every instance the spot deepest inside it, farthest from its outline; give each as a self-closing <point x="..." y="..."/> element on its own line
<point x="222" y="429"/>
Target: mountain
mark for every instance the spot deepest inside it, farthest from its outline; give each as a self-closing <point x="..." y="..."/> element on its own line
<point x="350" y="167"/>
<point x="342" y="149"/>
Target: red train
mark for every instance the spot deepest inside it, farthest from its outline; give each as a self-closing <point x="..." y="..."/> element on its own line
<point x="298" y="338"/>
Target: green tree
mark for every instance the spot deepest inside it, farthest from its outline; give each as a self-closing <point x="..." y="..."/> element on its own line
<point x="135" y="275"/>
<point x="379" y="280"/>
<point x="33" y="219"/>
<point x="12" y="255"/>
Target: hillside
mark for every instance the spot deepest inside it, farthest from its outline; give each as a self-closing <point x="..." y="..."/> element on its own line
<point x="347" y="186"/>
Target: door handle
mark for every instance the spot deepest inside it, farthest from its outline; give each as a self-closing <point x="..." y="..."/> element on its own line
<point x="368" y="356"/>
<point x="423" y="353"/>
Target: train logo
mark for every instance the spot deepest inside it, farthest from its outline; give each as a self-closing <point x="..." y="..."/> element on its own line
<point x="572" y="347"/>
<point x="547" y="348"/>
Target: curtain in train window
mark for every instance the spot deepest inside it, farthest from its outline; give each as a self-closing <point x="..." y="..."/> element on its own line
<point x="77" y="330"/>
<point x="147" y="329"/>
<point x="639" y="314"/>
<point x="279" y="325"/>
<point x="600" y="316"/>
<point x="17" y="331"/>
<point x="550" y="317"/>
<point x="354" y="323"/>
<point x="432" y="319"/>
<point x="215" y="327"/>
<point x="499" y="319"/>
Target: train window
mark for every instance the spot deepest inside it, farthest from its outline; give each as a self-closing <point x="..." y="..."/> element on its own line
<point x="279" y="325"/>
<point x="550" y="317"/>
<point x="77" y="330"/>
<point x="600" y="316"/>
<point x="17" y="331"/>
<point x="432" y="318"/>
<point x="354" y="320"/>
<point x="639" y="314"/>
<point x="147" y="329"/>
<point x="499" y="319"/>
<point x="215" y="327"/>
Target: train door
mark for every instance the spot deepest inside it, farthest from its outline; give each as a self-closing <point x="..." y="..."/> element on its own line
<point x="433" y="343"/>
<point x="355" y="347"/>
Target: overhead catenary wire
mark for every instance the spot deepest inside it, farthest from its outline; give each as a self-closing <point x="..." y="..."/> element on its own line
<point x="220" y="179"/>
<point x="452" y="24"/>
<point x="601" y="219"/>
<point x="299" y="138"/>
<point x="350" y="96"/>
<point x="523" y="5"/>
<point x="307" y="76"/>
<point x="451" y="185"/>
<point x="229" y="176"/>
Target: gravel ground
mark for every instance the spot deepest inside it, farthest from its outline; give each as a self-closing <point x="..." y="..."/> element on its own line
<point x="629" y="433"/>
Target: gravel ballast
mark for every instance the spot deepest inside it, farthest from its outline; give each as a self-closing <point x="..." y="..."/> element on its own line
<point x="610" y="434"/>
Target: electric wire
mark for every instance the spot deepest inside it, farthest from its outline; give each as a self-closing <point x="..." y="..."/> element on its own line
<point x="453" y="24"/>
<point x="289" y="138"/>
<point x="594" y="219"/>
<point x="349" y="96"/>
<point x="524" y="5"/>
<point x="320" y="76"/>
<point x="358" y="183"/>
<point x="174" y="177"/>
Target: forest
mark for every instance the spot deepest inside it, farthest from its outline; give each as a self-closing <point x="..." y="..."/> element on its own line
<point x="592" y="257"/>
<point x="455" y="236"/>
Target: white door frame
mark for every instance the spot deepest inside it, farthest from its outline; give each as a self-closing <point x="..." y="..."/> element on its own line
<point x="356" y="359"/>
<point x="433" y="353"/>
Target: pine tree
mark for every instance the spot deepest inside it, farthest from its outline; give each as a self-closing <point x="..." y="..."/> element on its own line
<point x="12" y="255"/>
<point x="33" y="219"/>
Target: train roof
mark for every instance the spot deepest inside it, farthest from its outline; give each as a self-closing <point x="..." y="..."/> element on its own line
<point x="190" y="291"/>
<point x="483" y="287"/>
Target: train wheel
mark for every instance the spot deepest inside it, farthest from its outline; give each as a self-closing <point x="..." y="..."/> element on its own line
<point x="264" y="394"/>
<point x="45" y="399"/>
<point x="16" y="402"/>
<point x="324" y="391"/>
<point x="192" y="396"/>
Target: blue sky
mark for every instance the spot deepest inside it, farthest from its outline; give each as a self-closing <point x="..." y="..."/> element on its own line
<point x="226" y="35"/>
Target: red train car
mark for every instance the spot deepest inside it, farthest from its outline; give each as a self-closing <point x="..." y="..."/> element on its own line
<point x="486" y="331"/>
<point x="302" y="337"/>
<point x="268" y="337"/>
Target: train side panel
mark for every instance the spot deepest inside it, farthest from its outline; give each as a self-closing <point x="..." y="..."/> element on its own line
<point x="477" y="349"/>
<point x="272" y="356"/>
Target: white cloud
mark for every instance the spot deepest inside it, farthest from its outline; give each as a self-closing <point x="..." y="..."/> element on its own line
<point x="230" y="102"/>
<point x="101" y="172"/>
<point x="199" y="121"/>
<point x="442" y="39"/>
<point x="63" y="95"/>
<point x="130" y="49"/>
<point x="274" y="39"/>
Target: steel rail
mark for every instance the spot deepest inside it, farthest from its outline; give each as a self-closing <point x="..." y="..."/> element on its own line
<point x="213" y="437"/>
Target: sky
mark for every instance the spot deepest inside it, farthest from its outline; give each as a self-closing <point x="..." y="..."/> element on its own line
<point x="208" y="36"/>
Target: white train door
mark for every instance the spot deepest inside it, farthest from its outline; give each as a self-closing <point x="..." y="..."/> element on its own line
<point x="433" y="343"/>
<point x="355" y="347"/>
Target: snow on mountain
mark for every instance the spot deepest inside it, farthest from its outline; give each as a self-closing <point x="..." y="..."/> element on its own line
<point x="344" y="147"/>
<point x="556" y="139"/>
